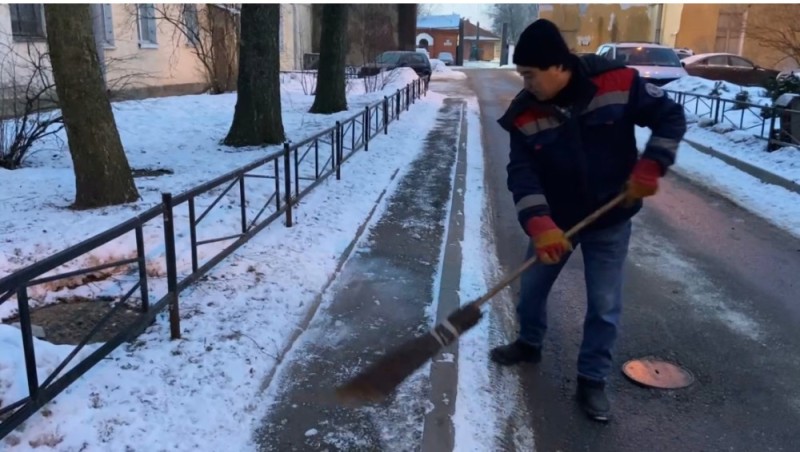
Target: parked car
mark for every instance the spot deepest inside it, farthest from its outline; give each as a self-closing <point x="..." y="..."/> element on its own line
<point x="394" y="59"/>
<point x="729" y="68"/>
<point x="446" y="58"/>
<point x="655" y="63"/>
<point x="684" y="52"/>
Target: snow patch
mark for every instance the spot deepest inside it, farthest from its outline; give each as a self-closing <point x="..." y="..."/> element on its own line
<point x="203" y="392"/>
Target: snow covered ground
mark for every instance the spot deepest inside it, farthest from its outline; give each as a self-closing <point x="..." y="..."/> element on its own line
<point x="444" y="72"/>
<point x="180" y="134"/>
<point x="735" y="135"/>
<point x="202" y="392"/>
<point x="475" y="429"/>
<point x="777" y="205"/>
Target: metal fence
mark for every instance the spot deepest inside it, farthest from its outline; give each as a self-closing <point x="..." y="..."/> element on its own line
<point x="762" y="121"/>
<point x="280" y="179"/>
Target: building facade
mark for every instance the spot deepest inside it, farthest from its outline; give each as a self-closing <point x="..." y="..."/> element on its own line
<point x="148" y="49"/>
<point x="742" y="29"/>
<point x="440" y="34"/>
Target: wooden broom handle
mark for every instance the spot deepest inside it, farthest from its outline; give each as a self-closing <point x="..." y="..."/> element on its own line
<point x="574" y="230"/>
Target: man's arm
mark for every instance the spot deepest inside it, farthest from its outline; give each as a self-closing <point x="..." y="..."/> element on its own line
<point x="533" y="212"/>
<point x="523" y="181"/>
<point x="652" y="108"/>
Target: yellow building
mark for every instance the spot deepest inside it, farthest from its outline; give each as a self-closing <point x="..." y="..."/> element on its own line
<point x="703" y="28"/>
<point x="145" y="51"/>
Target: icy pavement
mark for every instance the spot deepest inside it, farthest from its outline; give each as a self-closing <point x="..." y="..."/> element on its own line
<point x="383" y="296"/>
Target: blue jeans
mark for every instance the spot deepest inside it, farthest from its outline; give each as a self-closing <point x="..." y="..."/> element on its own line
<point x="604" y="253"/>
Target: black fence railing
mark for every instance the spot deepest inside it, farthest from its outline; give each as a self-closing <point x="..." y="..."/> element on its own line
<point x="259" y="193"/>
<point x="762" y="121"/>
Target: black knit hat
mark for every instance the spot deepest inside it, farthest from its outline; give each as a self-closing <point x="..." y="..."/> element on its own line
<point x="541" y="46"/>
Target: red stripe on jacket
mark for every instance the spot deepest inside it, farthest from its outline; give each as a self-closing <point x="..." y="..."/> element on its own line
<point x="613" y="81"/>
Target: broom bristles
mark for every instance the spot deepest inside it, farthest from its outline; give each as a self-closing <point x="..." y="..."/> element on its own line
<point x="380" y="379"/>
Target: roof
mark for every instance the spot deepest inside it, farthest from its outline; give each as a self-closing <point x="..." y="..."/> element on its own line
<point x="470" y="31"/>
<point x="439" y="22"/>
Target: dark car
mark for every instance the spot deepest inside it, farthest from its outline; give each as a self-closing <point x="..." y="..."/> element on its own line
<point x="729" y="68"/>
<point x="394" y="59"/>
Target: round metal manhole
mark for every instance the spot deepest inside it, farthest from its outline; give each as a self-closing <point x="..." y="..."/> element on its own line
<point x="655" y="373"/>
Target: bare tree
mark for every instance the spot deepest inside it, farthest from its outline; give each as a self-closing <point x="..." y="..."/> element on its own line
<point x="516" y="15"/>
<point x="777" y="29"/>
<point x="427" y="9"/>
<point x="27" y="95"/>
<point x="257" y="118"/>
<point x="371" y="29"/>
<point x="210" y="32"/>
<point x="331" y="84"/>
<point x="102" y="174"/>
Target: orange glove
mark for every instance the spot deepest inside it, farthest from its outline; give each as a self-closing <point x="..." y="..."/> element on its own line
<point x="643" y="181"/>
<point x="550" y="242"/>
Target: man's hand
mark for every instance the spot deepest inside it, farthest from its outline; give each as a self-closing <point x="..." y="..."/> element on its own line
<point x="643" y="181"/>
<point x="550" y="242"/>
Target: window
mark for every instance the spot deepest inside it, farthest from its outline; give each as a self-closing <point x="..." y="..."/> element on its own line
<point x="107" y="22"/>
<point x="648" y="56"/>
<point x="147" y="25"/>
<point x="740" y="63"/>
<point x="192" y="23"/>
<point x="719" y="60"/>
<point x="27" y="21"/>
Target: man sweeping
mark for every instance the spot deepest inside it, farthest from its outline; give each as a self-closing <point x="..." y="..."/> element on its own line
<point x="572" y="150"/>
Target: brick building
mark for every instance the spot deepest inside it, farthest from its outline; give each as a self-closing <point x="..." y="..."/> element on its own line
<point x="440" y="34"/>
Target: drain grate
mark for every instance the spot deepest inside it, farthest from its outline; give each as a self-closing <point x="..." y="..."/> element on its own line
<point x="655" y="373"/>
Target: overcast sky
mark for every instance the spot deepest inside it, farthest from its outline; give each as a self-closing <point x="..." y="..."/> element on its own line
<point x="472" y="11"/>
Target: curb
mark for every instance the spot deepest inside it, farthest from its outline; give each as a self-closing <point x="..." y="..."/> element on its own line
<point x="438" y="429"/>
<point x="761" y="174"/>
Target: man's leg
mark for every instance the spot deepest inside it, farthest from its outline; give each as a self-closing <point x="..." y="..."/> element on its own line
<point x="604" y="254"/>
<point x="535" y="285"/>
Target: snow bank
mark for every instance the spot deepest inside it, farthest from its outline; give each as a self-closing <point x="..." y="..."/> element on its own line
<point x="698" y="85"/>
<point x="736" y="132"/>
<point x="443" y="72"/>
<point x="399" y="78"/>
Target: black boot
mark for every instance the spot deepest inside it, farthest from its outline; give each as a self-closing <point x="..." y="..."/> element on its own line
<point x="592" y="399"/>
<point x="515" y="353"/>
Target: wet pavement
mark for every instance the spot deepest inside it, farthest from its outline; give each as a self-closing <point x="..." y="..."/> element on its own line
<point x="383" y="296"/>
<point x="708" y="286"/>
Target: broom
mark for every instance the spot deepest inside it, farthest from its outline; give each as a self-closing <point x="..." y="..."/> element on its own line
<point x="380" y="379"/>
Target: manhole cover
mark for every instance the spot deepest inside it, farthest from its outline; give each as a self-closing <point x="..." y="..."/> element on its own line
<point x="654" y="373"/>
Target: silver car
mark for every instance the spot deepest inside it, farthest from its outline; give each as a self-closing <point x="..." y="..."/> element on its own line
<point x="655" y="63"/>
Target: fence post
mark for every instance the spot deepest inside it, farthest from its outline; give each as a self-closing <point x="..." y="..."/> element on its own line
<point x="142" y="264"/>
<point x="771" y="132"/>
<point x="27" y="342"/>
<point x="716" y="110"/>
<point x="287" y="181"/>
<point x="385" y="115"/>
<point x="365" y="128"/>
<point x="172" y="270"/>
<point x="336" y="150"/>
<point x="398" y="95"/>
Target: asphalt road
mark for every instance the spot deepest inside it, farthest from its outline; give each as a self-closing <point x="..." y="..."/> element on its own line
<point x="709" y="286"/>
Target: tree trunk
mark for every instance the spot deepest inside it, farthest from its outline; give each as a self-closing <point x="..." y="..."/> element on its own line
<point x="331" y="81"/>
<point x="257" y="118"/>
<point x="224" y="40"/>
<point x="102" y="174"/>
<point x="407" y="26"/>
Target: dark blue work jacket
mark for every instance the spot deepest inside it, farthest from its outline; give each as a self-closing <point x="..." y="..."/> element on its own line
<point x="567" y="162"/>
